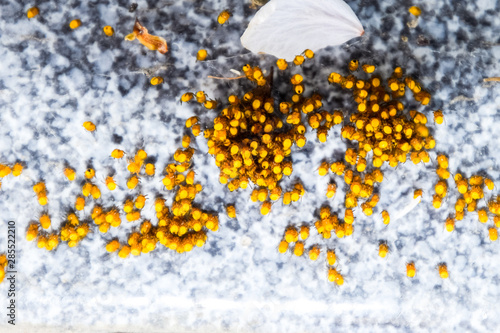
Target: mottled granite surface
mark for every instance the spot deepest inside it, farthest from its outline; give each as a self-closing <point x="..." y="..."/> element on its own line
<point x="53" y="79"/>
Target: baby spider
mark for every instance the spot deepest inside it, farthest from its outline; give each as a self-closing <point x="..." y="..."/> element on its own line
<point x="108" y="30"/>
<point x="386" y="217"/>
<point x="298" y="250"/>
<point x="443" y="271"/>
<point x="32" y="12"/>
<point x="89" y="126"/>
<point x="75" y="24"/>
<point x="335" y="276"/>
<point x="331" y="258"/>
<point x="493" y="233"/>
<point x="314" y="252"/>
<point x="283" y="247"/>
<point x="383" y="249"/>
<point x="450" y="224"/>
<point x="304" y="232"/>
<point x="291" y="235"/>
<point x="410" y="269"/>
<point x="231" y="211"/>
<point x="223" y="17"/>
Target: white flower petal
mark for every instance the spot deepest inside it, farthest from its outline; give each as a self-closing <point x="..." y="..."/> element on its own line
<point x="286" y="28"/>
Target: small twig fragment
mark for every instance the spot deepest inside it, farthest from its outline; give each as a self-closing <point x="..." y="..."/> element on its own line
<point x="154" y="43"/>
<point x="490" y="79"/>
<point x="225" y="78"/>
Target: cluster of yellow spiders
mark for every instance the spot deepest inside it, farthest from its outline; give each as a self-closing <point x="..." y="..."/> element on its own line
<point x="380" y="126"/>
<point x="471" y="192"/>
<point x="16" y="169"/>
<point x="250" y="141"/>
<point x="384" y="132"/>
<point x="326" y="224"/>
<point x="180" y="227"/>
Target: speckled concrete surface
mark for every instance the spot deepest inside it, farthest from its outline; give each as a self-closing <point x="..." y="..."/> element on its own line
<point x="52" y="79"/>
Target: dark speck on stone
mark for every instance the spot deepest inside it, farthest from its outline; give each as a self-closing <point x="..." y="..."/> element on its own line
<point x="462" y="35"/>
<point x="122" y="88"/>
<point x="117" y="138"/>
<point x="423" y="41"/>
<point x="233" y="225"/>
<point x="132" y="7"/>
<point x="387" y="23"/>
<point x="446" y="80"/>
<point x="214" y="250"/>
<point x="468" y="18"/>
<point x="151" y="159"/>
